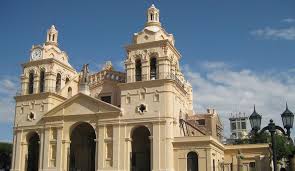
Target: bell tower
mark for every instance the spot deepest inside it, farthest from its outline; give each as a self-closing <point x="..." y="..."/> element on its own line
<point x="47" y="80"/>
<point x="52" y="35"/>
<point x="153" y="16"/>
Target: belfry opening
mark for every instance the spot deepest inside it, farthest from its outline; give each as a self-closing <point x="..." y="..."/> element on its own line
<point x="141" y="149"/>
<point x="82" y="148"/>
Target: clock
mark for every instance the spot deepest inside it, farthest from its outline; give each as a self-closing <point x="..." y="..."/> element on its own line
<point x="36" y="54"/>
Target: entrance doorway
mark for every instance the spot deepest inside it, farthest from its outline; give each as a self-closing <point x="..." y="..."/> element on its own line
<point x="141" y="150"/>
<point x="82" y="148"/>
<point x="33" y="152"/>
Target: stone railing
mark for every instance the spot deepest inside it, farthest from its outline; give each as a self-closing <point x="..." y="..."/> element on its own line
<point x="107" y="75"/>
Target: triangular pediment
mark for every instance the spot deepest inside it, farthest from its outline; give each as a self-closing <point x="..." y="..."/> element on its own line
<point x="82" y="104"/>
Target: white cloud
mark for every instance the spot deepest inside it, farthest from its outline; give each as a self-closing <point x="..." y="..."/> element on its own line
<point x="8" y="88"/>
<point x="232" y="91"/>
<point x="275" y="33"/>
<point x="288" y="20"/>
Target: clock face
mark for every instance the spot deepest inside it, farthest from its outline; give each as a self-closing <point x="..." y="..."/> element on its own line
<point x="36" y="54"/>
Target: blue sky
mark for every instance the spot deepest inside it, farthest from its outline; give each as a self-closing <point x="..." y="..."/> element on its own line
<point x="234" y="52"/>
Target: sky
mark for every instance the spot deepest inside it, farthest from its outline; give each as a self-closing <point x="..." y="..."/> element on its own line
<point x="235" y="53"/>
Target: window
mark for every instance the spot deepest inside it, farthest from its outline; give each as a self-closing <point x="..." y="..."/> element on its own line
<point x="233" y="126"/>
<point x="153" y="68"/>
<point x="107" y="99"/>
<point x="243" y="125"/>
<point x="42" y="81"/>
<point x="192" y="161"/>
<point x="213" y="165"/>
<point x="201" y="122"/>
<point x="67" y="80"/>
<point x="138" y="70"/>
<point x="53" y="37"/>
<point x="31" y="83"/>
<point x="152" y="17"/>
<point x="69" y="92"/>
<point x="58" y="82"/>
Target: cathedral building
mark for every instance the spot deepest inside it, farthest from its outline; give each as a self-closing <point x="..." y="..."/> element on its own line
<point x="141" y="119"/>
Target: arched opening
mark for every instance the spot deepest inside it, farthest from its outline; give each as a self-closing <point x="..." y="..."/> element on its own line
<point x="141" y="149"/>
<point x="153" y="68"/>
<point x="138" y="70"/>
<point x="69" y="92"/>
<point x="42" y="81"/>
<point x="192" y="161"/>
<point x="67" y="80"/>
<point x="58" y="82"/>
<point x="82" y="148"/>
<point x="33" y="152"/>
<point x="31" y="83"/>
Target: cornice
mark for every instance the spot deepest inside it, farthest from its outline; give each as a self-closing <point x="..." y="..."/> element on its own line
<point x="159" y="43"/>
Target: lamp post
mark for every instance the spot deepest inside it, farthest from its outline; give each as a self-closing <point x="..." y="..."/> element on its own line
<point x="287" y="118"/>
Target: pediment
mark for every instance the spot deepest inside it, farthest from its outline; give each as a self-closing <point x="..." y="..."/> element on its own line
<point x="82" y="104"/>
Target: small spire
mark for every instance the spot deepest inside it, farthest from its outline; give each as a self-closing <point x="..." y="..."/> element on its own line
<point x="286" y="105"/>
<point x="153" y="16"/>
<point x="52" y="35"/>
<point x="254" y="108"/>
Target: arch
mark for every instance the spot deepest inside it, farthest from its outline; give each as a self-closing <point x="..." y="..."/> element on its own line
<point x="138" y="70"/>
<point x="58" y="82"/>
<point x="153" y="68"/>
<point x="69" y="92"/>
<point x="192" y="161"/>
<point x="83" y="147"/>
<point x="31" y="82"/>
<point x="67" y="80"/>
<point x="141" y="149"/>
<point x="33" y="152"/>
<point x="42" y="81"/>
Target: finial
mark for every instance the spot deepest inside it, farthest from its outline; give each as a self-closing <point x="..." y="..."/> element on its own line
<point x="254" y="108"/>
<point x="153" y="6"/>
<point x="286" y="105"/>
<point x="52" y="26"/>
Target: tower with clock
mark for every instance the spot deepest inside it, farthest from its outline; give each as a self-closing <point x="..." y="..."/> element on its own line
<point x="47" y="79"/>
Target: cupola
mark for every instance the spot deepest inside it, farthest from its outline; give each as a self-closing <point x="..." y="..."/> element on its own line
<point x="153" y="16"/>
<point x="52" y="34"/>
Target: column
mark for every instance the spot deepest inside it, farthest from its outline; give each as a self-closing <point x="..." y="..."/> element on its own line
<point x="46" y="148"/>
<point x="36" y="83"/>
<point x="209" y="160"/>
<point x="101" y="150"/>
<point x="128" y="153"/>
<point x="16" y="162"/>
<point x="59" y="149"/>
<point x="116" y="147"/>
<point x="169" y="146"/>
<point x="151" y="145"/>
<point x="145" y="70"/>
<point x="41" y="148"/>
<point x="156" y="150"/>
<point x="96" y="147"/>
<point x="66" y="154"/>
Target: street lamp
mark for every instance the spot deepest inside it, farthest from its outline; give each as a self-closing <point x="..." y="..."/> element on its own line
<point x="287" y="118"/>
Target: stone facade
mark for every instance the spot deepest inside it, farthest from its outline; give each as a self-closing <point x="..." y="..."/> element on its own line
<point x="141" y="119"/>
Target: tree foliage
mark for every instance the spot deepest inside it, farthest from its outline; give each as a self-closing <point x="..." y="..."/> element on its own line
<point x="284" y="147"/>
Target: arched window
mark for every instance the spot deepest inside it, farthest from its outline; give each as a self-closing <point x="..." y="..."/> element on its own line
<point x="53" y="37"/>
<point x="58" y="82"/>
<point x="192" y="161"/>
<point x="31" y="82"/>
<point x="153" y="68"/>
<point x="138" y="70"/>
<point x="42" y="81"/>
<point x="67" y="80"/>
<point x="69" y="92"/>
<point x="152" y="17"/>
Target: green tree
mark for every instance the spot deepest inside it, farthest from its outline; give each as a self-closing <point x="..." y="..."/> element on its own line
<point x="284" y="147"/>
